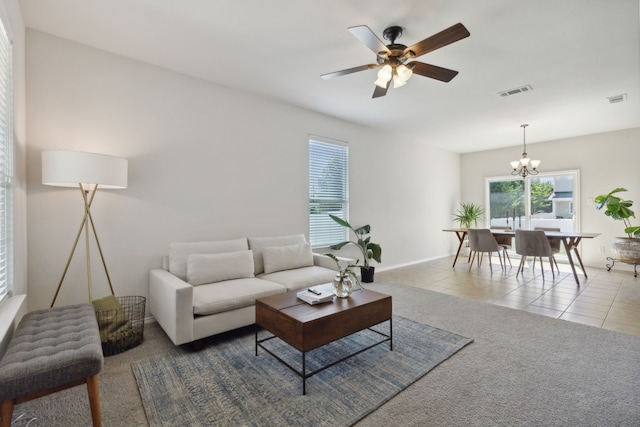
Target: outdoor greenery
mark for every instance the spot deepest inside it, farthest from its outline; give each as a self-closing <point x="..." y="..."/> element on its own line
<point x="618" y="209"/>
<point x="507" y="198"/>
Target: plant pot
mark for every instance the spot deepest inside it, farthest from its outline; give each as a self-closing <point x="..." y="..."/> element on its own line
<point x="626" y="249"/>
<point x="465" y="248"/>
<point x="367" y="274"/>
<point x="342" y="286"/>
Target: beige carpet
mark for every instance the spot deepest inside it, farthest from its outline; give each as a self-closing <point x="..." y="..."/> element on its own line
<point x="521" y="370"/>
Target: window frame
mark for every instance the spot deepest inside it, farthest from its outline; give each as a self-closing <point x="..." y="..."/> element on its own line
<point x="6" y="164"/>
<point x="323" y="232"/>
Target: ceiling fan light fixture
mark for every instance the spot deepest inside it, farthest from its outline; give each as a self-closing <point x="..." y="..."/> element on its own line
<point x="385" y="72"/>
<point x="398" y="82"/>
<point x="404" y="73"/>
<point x="381" y="83"/>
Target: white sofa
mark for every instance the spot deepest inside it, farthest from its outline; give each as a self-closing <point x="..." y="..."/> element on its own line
<point x="206" y="288"/>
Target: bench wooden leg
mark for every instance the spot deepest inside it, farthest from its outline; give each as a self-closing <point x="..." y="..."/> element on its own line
<point x="6" y="413"/>
<point x="94" y="400"/>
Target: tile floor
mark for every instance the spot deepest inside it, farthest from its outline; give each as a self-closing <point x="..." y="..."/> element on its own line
<point x="606" y="299"/>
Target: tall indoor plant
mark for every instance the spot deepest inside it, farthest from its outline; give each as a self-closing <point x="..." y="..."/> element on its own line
<point x="624" y="248"/>
<point x="369" y="249"/>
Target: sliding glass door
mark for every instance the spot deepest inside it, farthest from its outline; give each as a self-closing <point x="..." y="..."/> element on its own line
<point x="546" y="200"/>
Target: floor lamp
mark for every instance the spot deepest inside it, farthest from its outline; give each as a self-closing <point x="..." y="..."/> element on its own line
<point x="87" y="171"/>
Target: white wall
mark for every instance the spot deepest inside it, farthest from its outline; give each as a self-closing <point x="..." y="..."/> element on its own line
<point x="205" y="162"/>
<point x="605" y="161"/>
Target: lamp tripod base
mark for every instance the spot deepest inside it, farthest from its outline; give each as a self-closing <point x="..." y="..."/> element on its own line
<point x="88" y="194"/>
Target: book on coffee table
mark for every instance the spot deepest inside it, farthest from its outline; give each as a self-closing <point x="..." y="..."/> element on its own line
<point x="315" y="295"/>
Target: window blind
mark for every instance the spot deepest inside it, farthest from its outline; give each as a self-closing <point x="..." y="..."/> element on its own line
<point x="6" y="162"/>
<point x="328" y="190"/>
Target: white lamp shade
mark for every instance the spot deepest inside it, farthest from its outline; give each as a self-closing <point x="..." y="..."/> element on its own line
<point x="70" y="168"/>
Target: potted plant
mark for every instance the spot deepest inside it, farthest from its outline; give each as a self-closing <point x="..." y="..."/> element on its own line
<point x="624" y="248"/>
<point x="468" y="213"/>
<point x="369" y="250"/>
<point x="343" y="283"/>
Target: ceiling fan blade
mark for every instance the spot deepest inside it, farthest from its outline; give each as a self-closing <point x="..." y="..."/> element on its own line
<point x="432" y="71"/>
<point x="348" y="71"/>
<point x="380" y="91"/>
<point x="368" y="37"/>
<point x="450" y="35"/>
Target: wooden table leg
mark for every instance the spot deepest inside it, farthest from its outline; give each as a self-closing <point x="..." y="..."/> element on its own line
<point x="575" y="248"/>
<point x="567" y="248"/>
<point x="461" y="235"/>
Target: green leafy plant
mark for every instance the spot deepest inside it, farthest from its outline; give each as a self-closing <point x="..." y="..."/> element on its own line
<point x="469" y="213"/>
<point x="618" y="209"/>
<point x="346" y="270"/>
<point x="369" y="250"/>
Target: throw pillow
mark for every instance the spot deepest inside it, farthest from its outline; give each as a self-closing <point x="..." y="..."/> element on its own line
<point x="110" y="316"/>
<point x="180" y="251"/>
<point x="278" y="258"/>
<point x="257" y="245"/>
<point x="212" y="268"/>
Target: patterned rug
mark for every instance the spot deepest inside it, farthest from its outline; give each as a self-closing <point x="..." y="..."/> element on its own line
<point x="226" y="384"/>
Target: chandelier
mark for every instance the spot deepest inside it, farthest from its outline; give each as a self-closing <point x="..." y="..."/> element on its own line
<point x="525" y="166"/>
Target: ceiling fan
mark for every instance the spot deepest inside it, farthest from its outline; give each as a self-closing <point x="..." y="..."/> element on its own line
<point x="392" y="58"/>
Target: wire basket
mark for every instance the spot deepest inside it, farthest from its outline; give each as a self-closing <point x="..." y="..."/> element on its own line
<point x="122" y="328"/>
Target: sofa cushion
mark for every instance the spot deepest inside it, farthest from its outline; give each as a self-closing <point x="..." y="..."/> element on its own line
<point x="278" y="258"/>
<point x="231" y="294"/>
<point x="257" y="245"/>
<point x="180" y="251"/>
<point x="300" y="277"/>
<point x="211" y="268"/>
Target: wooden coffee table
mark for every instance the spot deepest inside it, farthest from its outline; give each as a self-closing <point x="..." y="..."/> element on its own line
<point x="305" y="326"/>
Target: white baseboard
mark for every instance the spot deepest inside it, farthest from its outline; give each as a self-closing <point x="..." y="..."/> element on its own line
<point x="393" y="267"/>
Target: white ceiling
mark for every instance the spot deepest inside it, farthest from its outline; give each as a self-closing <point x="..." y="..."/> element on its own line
<point x="573" y="53"/>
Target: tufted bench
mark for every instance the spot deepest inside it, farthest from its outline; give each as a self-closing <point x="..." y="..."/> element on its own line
<point x="51" y="350"/>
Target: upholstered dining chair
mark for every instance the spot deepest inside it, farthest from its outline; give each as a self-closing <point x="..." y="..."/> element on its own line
<point x="481" y="241"/>
<point x="504" y="242"/>
<point x="554" y="243"/>
<point x="534" y="243"/>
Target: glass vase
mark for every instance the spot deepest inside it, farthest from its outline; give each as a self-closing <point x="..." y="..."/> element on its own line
<point x="342" y="286"/>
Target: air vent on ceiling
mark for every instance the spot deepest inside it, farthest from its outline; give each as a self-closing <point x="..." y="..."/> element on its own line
<point x="617" y="98"/>
<point x="525" y="88"/>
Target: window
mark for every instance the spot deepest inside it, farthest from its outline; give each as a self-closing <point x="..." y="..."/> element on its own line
<point x="6" y="163"/>
<point x="328" y="190"/>
<point x="546" y="200"/>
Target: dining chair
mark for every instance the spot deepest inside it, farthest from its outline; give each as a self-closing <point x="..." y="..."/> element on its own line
<point x="504" y="242"/>
<point x="534" y="243"/>
<point x="481" y="241"/>
<point x="554" y="243"/>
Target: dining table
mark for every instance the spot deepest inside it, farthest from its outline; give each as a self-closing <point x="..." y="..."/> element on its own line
<point x="570" y="241"/>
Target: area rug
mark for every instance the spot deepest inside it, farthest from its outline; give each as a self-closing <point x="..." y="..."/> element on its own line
<point x="227" y="384"/>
